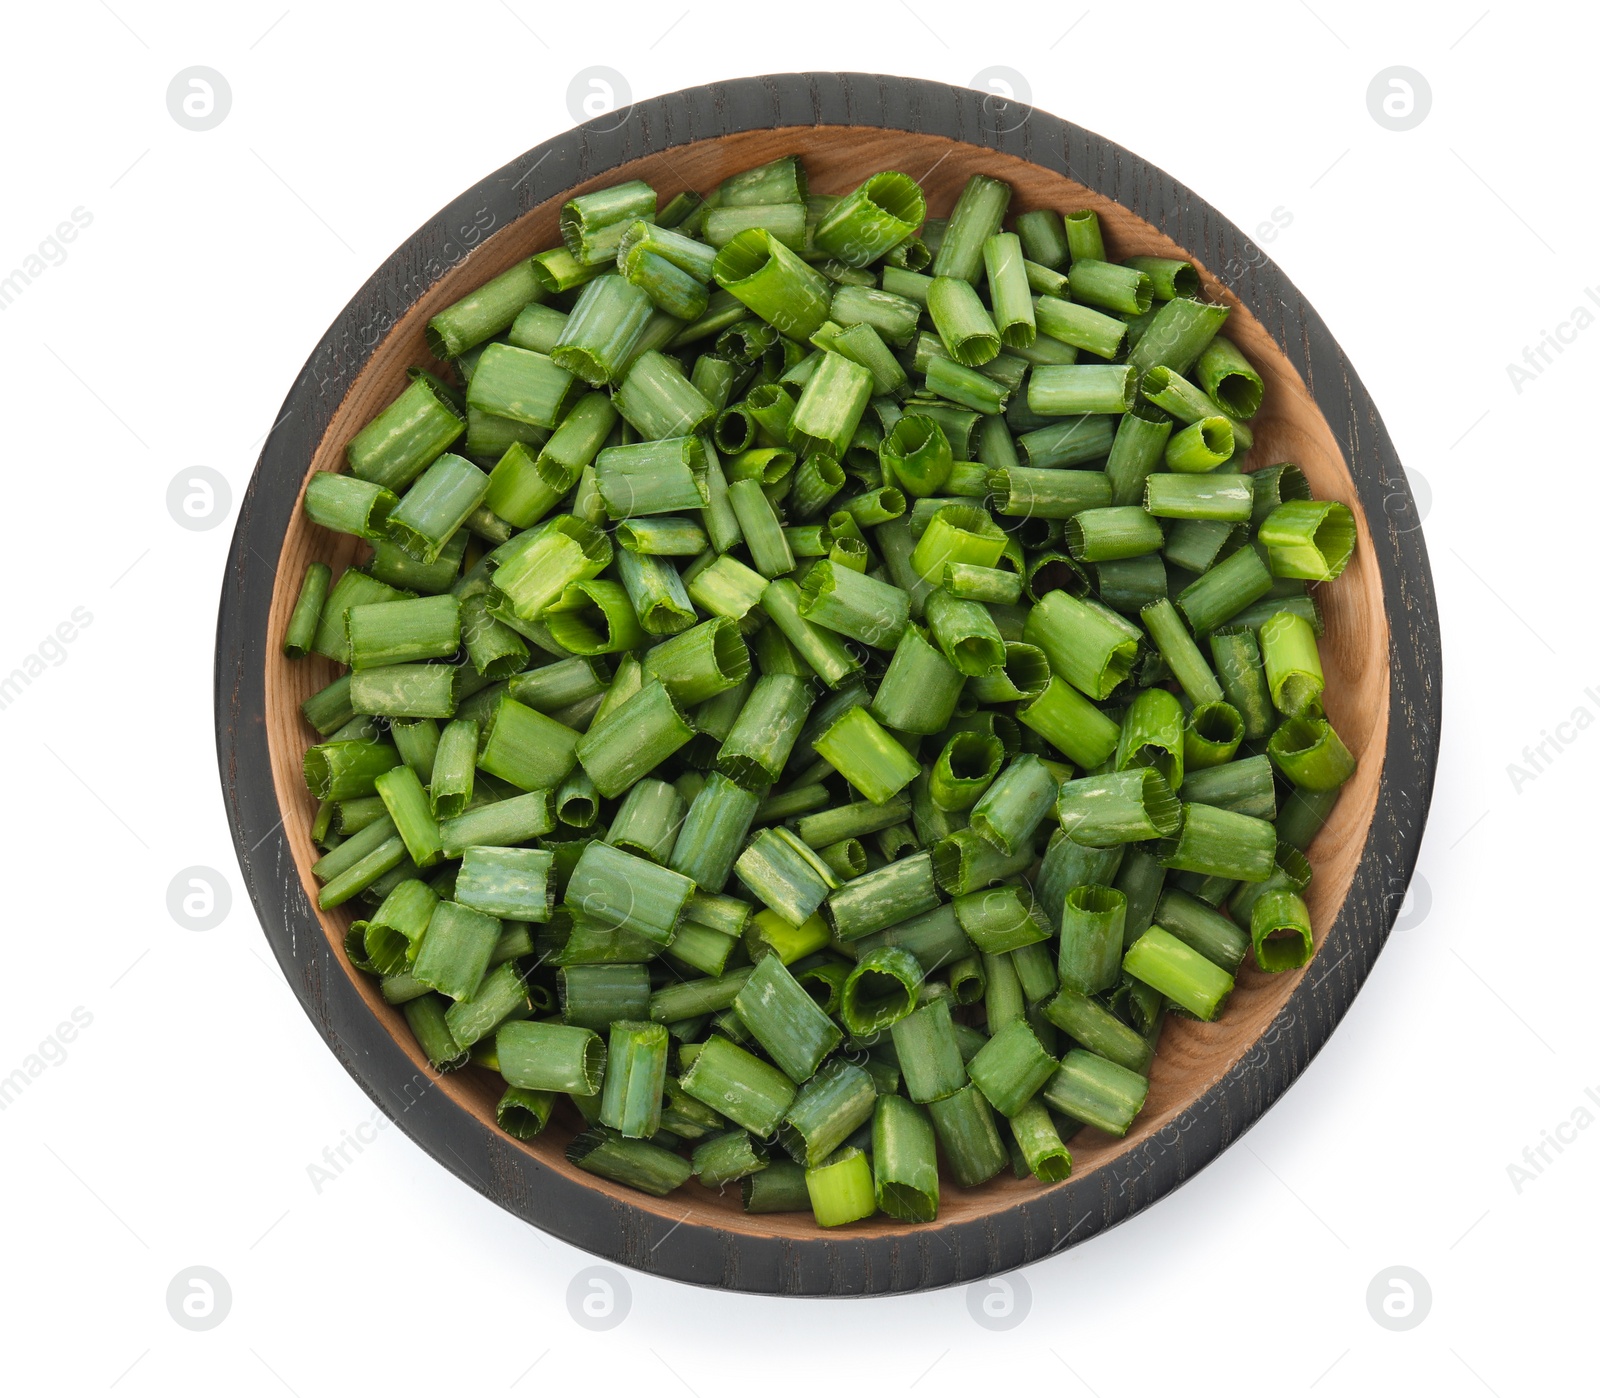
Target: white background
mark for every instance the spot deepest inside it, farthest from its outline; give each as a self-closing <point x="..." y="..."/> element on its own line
<point x="179" y="1128"/>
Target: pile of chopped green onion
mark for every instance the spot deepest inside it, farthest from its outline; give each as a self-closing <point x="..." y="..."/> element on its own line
<point x="825" y="686"/>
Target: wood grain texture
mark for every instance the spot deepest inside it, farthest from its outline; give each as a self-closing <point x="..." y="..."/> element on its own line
<point x="1381" y="653"/>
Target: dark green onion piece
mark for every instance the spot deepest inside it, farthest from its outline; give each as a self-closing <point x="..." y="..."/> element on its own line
<point x="1119" y="807"/>
<point x="639" y="1164"/>
<point x="636" y="1072"/>
<point x="975" y="219"/>
<point x="1011" y="1067"/>
<point x="967" y="1134"/>
<point x="1096" y="1091"/>
<point x="884" y="897"/>
<point x="729" y="1079"/>
<point x="1092" y="921"/>
<point x="880" y="990"/>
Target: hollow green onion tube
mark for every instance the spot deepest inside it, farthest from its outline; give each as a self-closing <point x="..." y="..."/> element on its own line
<point x="700" y="663"/>
<point x="522" y="385"/>
<point x="609" y="314"/>
<point x="726" y="588"/>
<point x="1083" y="645"/>
<point x="594" y="618"/>
<point x="1011" y="1067"/>
<point x="1137" y="450"/>
<point x="1067" y="864"/>
<point x="929" y="1056"/>
<point x="615" y="890"/>
<point x="762" y="737"/>
<point x="827" y="1111"/>
<point x="1290" y="871"/>
<point x="592" y="225"/>
<point x="349" y="506"/>
<point x="498" y="823"/>
<point x="394" y="448"/>
<point x="783" y="1018"/>
<point x="1292" y="664"/>
<point x="919" y="690"/>
<point x="1024" y="676"/>
<point x="647" y="821"/>
<point x="957" y="534"/>
<point x="1152" y="735"/>
<point x="975" y="219"/>
<point x="713" y="832"/>
<point x="522" y="1114"/>
<point x="1310" y="754"/>
<point x="1201" y="446"/>
<point x="840" y="1189"/>
<point x="866" y="756"/>
<point x="885" y="209"/>
<point x="730" y="1080"/>
<point x="883" y="898"/>
<point x="641" y="1165"/>
<point x="1280" y="931"/>
<point x="780" y="1188"/>
<point x="425" y="1017"/>
<point x="1085" y="241"/>
<point x="1064" y="718"/>
<point x="998" y="920"/>
<point x="655" y="592"/>
<point x="395" y="930"/>
<point x="904" y="1160"/>
<point x="1092" y="920"/>
<point x="1008" y="290"/>
<point x="1211" y="735"/>
<point x="965" y="633"/>
<point x="963" y="322"/>
<point x="1116" y="808"/>
<point x="652" y="478"/>
<point x="1173" y="393"/>
<point x="506" y="883"/>
<point x="524" y="488"/>
<point x="1123" y="289"/>
<point x="965" y="767"/>
<point x="1244" y="786"/>
<point x="1237" y="656"/>
<point x="658" y="401"/>
<point x="1169" y="276"/>
<point x="1090" y="1024"/>
<point x="1311" y="539"/>
<point x="1179" y="650"/>
<point x="1014" y="806"/>
<point x="1059" y="390"/>
<point x="1082" y="327"/>
<point x="1208" y="497"/>
<point x="880" y="990"/>
<point x="484" y="312"/>
<point x="394" y="633"/>
<point x="1113" y="532"/>
<point x="455" y="950"/>
<point x="1222" y="843"/>
<point x="592" y="997"/>
<point x="636" y="1072"/>
<point x="965" y="1127"/>
<point x="301" y="632"/>
<point x="1214" y="935"/>
<point x="862" y="608"/>
<point x="831" y="405"/>
<point x="785" y="874"/>
<point x="773" y="282"/>
<point x="916" y="455"/>
<point x="1177" y="334"/>
<point x="560" y="551"/>
<point x="1044" y="238"/>
<point x="405" y="691"/>
<point x="495" y="650"/>
<point x="732" y="1155"/>
<point x="1227" y="589"/>
<point x="524" y="747"/>
<point x="852" y="821"/>
<point x="638" y="736"/>
<point x="1096" y="1091"/>
<point x="1179" y="972"/>
<point x="1273" y="486"/>
<point x="1230" y="378"/>
<point x="964" y="862"/>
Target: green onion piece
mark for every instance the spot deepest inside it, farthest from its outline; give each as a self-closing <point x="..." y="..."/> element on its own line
<point x="1311" y="755"/>
<point x="1181" y="653"/>
<point x="757" y="747"/>
<point x="780" y="1188"/>
<point x="726" y="588"/>
<point x="347" y="505"/>
<point x="1280" y="931"/>
<point x="719" y="1160"/>
<point x="1152" y="735"/>
<point x="652" y="478"/>
<point x="393" y="633"/>
<point x="882" y="211"/>
<point x="501" y="997"/>
<point x="965" y="1126"/>
<point x="498" y="823"/>
<point x="1214" y="935"/>
<point x="301" y="632"/>
<point x="866" y="756"/>
<point x="964" y="862"/>
<point x="524" y="747"/>
<point x="592" y="224"/>
<point x="592" y="997"/>
<point x="926" y="1049"/>
<point x="963" y="322"/>
<point x="426" y="1019"/>
<point x="1312" y="539"/>
<point x="884" y="897"/>
<point x="522" y="1114"/>
<point x="1088" y="1023"/>
<point x="975" y="219"/>
<point x="615" y="890"/>
<point x="1290" y="871"/>
<point x="1096" y="1091"/>
<point x="1008" y="289"/>
<point x="1011" y="1068"/>
<point x="637" y="737"/>
<point x="407" y="804"/>
<point x="405" y="691"/>
<point x="1092" y="938"/>
<point x="919" y="690"/>
<point x="904" y="1163"/>
<point x="607" y="319"/>
<point x="1062" y="716"/>
<point x="1177" y="334"/>
<point x="636" y="1072"/>
<point x="1229" y="377"/>
<point x="483" y="313"/>
<point x="1201" y="446"/>
<point x="965" y="632"/>
<point x="785" y="874"/>
<point x="828" y="1110"/>
<point x="773" y="282"/>
<point x="658" y="401"/>
<point x="851" y="821"/>
<point x="713" y="832"/>
<point x="1225" y="498"/>
<point x="1015" y="805"/>
<point x="639" y="1164"/>
<point x="455" y="950"/>
<point x="395" y="930"/>
<point x="1222" y="593"/>
<point x="841" y="1189"/>
<point x="880" y="990"/>
<point x="1212" y="735"/>
<point x="1084" y="646"/>
<point x="998" y="920"/>
<point x="1116" y="808"/>
<point x="1179" y="972"/>
<point x="862" y="608"/>
<point x="508" y="883"/>
<point x="916" y="455"/>
<point x="394" y="448"/>
<point x="1244" y="786"/>
<point x="1223" y="843"/>
<point x="750" y="1093"/>
<point x="965" y="767"/>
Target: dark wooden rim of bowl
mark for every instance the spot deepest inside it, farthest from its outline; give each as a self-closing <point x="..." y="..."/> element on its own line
<point x="1021" y="1223"/>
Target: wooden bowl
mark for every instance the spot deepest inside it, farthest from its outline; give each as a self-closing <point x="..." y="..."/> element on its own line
<point x="1381" y="652"/>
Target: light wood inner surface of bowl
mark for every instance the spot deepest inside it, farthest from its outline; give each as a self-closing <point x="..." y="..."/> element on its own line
<point x="1290" y="427"/>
